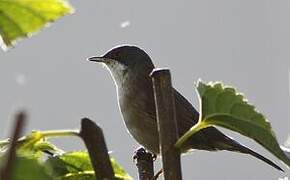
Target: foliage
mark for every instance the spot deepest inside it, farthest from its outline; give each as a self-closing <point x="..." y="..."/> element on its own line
<point x="27" y="167"/>
<point x="77" y="164"/>
<point x="21" y="18"/>
<point x="223" y="106"/>
<point x="37" y="158"/>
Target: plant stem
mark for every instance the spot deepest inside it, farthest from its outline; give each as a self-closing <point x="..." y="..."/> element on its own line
<point x="197" y="127"/>
<point x="59" y="133"/>
<point x="94" y="140"/>
<point x="45" y="134"/>
<point x="167" y="124"/>
<point x="6" y="170"/>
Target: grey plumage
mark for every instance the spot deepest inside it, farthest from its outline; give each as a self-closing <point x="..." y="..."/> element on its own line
<point x="130" y="67"/>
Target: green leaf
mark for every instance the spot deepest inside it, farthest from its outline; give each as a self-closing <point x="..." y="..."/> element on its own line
<point x="21" y="18"/>
<point x="77" y="166"/>
<point x="119" y="171"/>
<point x="223" y="106"/>
<point x="35" y="144"/>
<point x="29" y="168"/>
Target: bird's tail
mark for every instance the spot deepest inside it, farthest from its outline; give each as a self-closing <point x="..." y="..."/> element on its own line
<point x="235" y="146"/>
<point x="246" y="150"/>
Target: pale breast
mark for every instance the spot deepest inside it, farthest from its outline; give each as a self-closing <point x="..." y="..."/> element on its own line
<point x="138" y="111"/>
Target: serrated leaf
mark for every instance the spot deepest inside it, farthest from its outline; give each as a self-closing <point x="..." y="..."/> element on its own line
<point x="77" y="166"/>
<point x="223" y="106"/>
<point x="21" y="18"/>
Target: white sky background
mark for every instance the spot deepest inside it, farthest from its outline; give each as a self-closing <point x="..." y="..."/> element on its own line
<point x="243" y="43"/>
<point x="125" y="24"/>
<point x="21" y="79"/>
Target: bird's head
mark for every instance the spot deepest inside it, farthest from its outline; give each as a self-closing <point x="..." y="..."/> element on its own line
<point x="126" y="62"/>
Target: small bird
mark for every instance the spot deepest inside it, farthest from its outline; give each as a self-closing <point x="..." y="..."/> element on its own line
<point x="130" y="68"/>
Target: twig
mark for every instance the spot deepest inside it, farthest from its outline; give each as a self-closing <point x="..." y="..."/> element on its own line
<point x="11" y="153"/>
<point x="167" y="125"/>
<point x="144" y="163"/>
<point x="94" y="140"/>
<point x="157" y="174"/>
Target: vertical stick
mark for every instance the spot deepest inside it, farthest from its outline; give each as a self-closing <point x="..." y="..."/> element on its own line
<point x="17" y="131"/>
<point x="94" y="140"/>
<point x="167" y="125"/>
<point x="144" y="163"/>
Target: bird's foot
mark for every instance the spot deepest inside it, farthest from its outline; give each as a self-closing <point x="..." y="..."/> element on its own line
<point x="141" y="153"/>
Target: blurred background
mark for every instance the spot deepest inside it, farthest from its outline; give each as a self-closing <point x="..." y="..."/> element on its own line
<point x="245" y="44"/>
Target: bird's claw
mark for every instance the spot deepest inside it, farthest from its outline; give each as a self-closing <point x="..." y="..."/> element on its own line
<point x="138" y="153"/>
<point x="141" y="152"/>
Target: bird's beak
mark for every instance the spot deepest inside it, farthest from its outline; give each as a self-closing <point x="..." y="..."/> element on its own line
<point x="97" y="59"/>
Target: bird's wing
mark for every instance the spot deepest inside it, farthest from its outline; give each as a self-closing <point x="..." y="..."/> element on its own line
<point x="186" y="117"/>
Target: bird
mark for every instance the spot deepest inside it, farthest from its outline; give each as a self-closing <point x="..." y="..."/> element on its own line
<point x="130" y="68"/>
